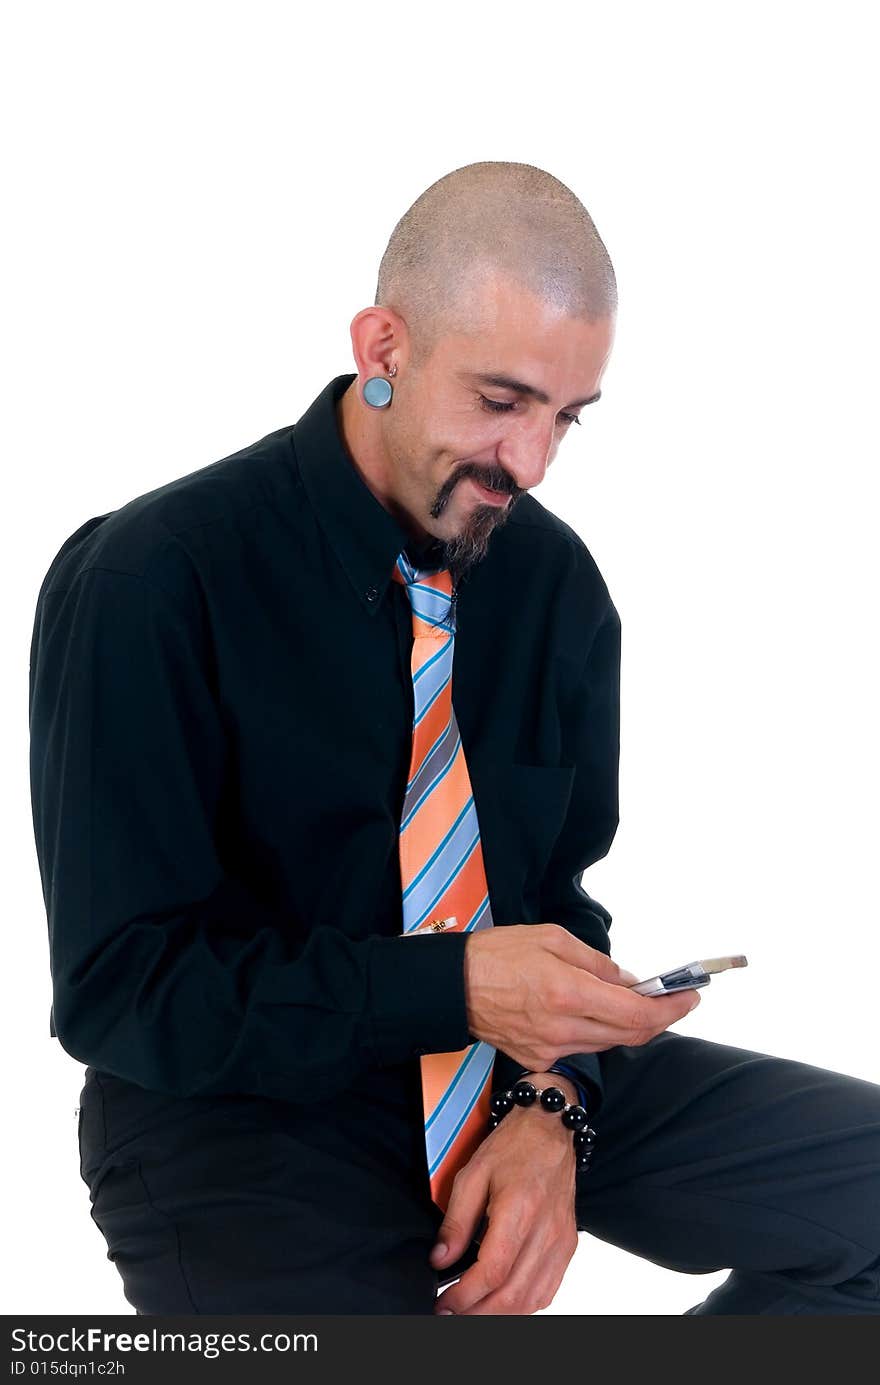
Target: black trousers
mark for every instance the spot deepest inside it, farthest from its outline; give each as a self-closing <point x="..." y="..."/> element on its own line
<point x="708" y="1157"/>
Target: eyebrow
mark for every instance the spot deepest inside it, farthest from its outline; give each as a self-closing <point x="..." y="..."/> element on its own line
<point x="506" y="382"/>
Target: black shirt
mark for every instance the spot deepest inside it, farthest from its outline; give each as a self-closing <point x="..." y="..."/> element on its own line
<point x="221" y="715"/>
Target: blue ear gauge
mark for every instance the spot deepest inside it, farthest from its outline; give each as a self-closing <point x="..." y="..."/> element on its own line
<point x="378" y="392"/>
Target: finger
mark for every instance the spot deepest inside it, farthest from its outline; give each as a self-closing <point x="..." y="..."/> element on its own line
<point x="568" y="948"/>
<point x="598" y="1013"/>
<point x="498" y="1253"/>
<point x="467" y="1202"/>
<point x="653" y="1014"/>
<point x="578" y="995"/>
<point x="523" y="1293"/>
<point x="532" y="1283"/>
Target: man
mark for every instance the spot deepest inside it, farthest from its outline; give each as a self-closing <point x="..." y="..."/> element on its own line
<point x="252" y="786"/>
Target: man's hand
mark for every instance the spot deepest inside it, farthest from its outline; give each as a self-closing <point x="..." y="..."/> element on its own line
<point x="537" y="993"/>
<point x="523" y="1177"/>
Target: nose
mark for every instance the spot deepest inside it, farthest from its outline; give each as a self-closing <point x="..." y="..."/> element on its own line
<point x="527" y="451"/>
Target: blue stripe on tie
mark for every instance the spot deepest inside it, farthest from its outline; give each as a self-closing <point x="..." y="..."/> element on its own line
<point x="430" y="606"/>
<point x="466" y="1062"/>
<point x="434" y="622"/>
<point x="406" y="568"/>
<point x="432" y="1138"/>
<point x="425" y="903"/>
<point x="419" y="586"/>
<point x="436" y="885"/>
<point x="434" y="748"/>
<point x="429" y="790"/>
<point x="480" y="913"/>
<point x="438" y="849"/>
<point x="477" y="921"/>
<point x="434" y="672"/>
<point x="421" y="905"/>
<point x="437" y="673"/>
<point x="421" y="713"/>
<point x="420" y="673"/>
<point x="441" y="869"/>
<point x="433" y="595"/>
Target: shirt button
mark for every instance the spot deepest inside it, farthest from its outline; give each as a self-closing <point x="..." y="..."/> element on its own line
<point x="421" y="1050"/>
<point x="371" y="593"/>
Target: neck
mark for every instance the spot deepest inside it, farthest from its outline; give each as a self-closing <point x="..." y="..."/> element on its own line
<point x="363" y="441"/>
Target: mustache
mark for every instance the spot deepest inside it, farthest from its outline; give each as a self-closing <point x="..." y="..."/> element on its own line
<point x="493" y="481"/>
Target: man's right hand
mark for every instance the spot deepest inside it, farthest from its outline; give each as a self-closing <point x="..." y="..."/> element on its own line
<point x="537" y="993"/>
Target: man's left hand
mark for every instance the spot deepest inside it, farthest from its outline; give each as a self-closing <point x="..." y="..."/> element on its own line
<point x="523" y="1177"/>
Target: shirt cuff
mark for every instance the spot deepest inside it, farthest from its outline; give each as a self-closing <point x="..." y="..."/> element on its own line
<point x="416" y="995"/>
<point x="507" y="1072"/>
<point x="585" y="1100"/>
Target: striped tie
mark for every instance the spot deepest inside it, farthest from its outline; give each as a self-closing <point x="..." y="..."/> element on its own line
<point x="441" y="868"/>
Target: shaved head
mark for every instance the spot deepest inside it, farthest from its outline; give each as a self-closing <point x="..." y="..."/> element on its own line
<point x="493" y="322"/>
<point x="510" y="219"/>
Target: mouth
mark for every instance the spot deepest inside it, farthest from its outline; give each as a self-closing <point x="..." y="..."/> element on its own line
<point x="490" y="496"/>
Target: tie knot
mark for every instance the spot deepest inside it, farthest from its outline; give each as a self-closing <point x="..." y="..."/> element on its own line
<point x="430" y="596"/>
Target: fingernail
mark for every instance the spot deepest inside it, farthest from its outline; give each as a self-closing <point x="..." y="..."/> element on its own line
<point x="439" y="1251"/>
<point x="445" y="1313"/>
<point x="695" y="1002"/>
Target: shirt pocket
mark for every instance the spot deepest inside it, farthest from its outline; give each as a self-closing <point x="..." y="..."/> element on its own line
<point x="529" y="805"/>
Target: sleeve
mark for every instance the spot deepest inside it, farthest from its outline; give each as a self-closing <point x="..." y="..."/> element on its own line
<point x="505" y="1072"/>
<point x="166" y="969"/>
<point x="593" y="747"/>
<point x="584" y="1097"/>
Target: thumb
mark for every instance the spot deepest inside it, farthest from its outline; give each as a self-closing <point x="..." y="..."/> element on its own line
<point x="462" y="1217"/>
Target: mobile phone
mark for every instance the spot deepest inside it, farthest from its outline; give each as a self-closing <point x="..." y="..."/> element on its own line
<point x="686" y="978"/>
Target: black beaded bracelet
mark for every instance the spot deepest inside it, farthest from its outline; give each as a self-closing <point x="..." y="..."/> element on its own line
<point x="574" y="1116"/>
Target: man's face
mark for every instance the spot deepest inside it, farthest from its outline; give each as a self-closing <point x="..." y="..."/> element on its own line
<point x="451" y="430"/>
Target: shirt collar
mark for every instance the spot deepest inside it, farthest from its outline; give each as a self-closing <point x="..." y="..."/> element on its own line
<point x="366" y="537"/>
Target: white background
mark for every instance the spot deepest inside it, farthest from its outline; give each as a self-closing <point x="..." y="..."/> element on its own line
<point x="198" y="199"/>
